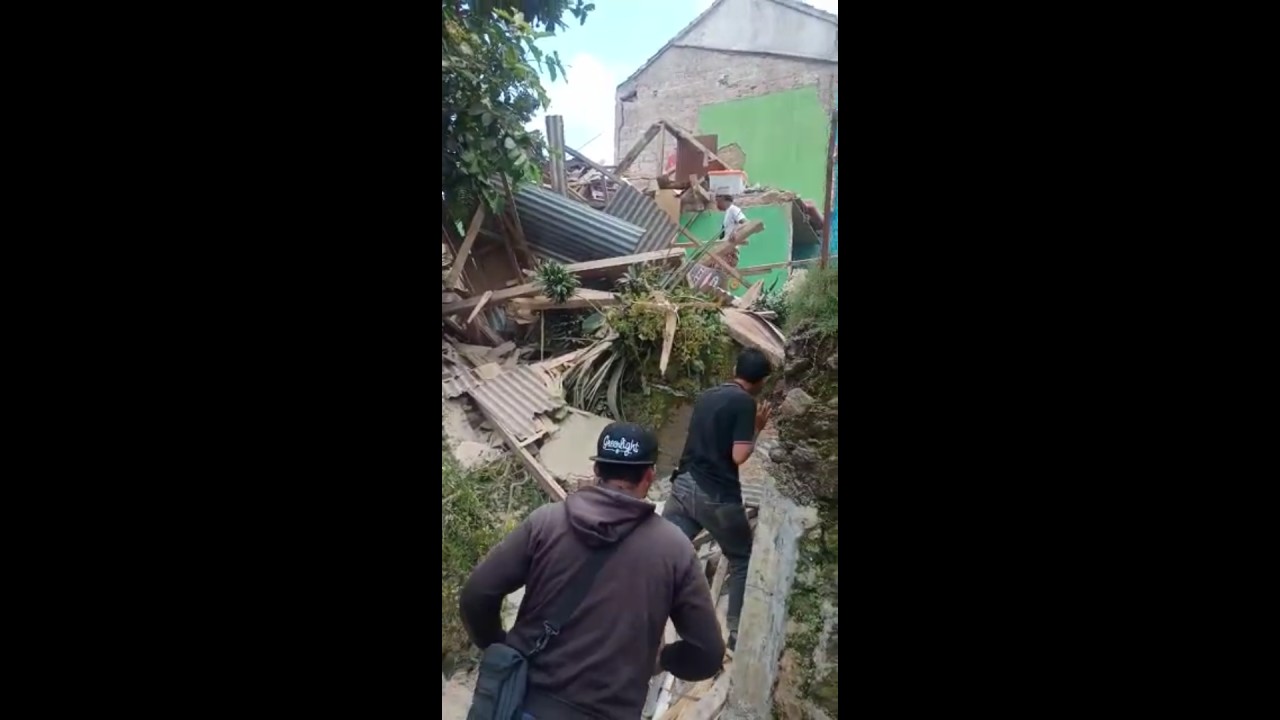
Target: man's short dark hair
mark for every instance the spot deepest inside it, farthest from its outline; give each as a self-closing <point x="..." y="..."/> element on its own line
<point x="629" y="474"/>
<point x="725" y="197"/>
<point x="752" y="366"/>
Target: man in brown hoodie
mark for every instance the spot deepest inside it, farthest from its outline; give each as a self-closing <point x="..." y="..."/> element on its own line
<point x="600" y="664"/>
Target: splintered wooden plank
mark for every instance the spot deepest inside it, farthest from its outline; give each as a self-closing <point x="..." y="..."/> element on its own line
<point x="710" y="706"/>
<point x="750" y="296"/>
<point x="540" y="473"/>
<point x="464" y="252"/>
<point x="582" y="298"/>
<point x="668" y="341"/>
<point x="582" y="267"/>
<point x="706" y="247"/>
<point x="751" y="331"/>
<point x="480" y="306"/>
<point x="722" y="572"/>
<point x="685" y="135"/>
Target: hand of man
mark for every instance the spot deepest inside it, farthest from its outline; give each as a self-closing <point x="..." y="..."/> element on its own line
<point x="763" y="411"/>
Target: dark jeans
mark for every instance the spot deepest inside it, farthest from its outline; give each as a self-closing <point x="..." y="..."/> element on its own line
<point x="692" y="509"/>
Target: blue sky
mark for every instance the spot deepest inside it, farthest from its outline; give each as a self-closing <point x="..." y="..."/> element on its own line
<point x="618" y="37"/>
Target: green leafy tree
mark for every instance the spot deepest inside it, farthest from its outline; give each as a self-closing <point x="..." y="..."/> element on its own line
<point x="489" y="65"/>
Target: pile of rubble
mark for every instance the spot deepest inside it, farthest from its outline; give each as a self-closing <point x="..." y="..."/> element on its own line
<point x="493" y="310"/>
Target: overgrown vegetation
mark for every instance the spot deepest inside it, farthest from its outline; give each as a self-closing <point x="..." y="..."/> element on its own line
<point x="814" y="593"/>
<point x="815" y="303"/>
<point x="774" y="300"/>
<point x="478" y="508"/>
<point x="808" y="473"/>
<point x="624" y="379"/>
<point x="490" y="89"/>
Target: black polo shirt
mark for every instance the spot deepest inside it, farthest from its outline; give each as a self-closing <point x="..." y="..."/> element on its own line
<point x="722" y="417"/>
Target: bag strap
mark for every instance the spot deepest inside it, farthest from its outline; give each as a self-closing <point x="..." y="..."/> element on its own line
<point x="565" y="604"/>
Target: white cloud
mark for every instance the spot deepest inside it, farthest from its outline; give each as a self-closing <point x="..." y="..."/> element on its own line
<point x="585" y="102"/>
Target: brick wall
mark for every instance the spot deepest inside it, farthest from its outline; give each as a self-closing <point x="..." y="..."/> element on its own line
<point x="682" y="79"/>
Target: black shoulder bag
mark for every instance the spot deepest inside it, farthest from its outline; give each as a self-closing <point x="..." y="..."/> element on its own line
<point x="504" y="673"/>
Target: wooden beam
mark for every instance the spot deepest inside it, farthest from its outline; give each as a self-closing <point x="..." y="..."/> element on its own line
<point x="540" y="473"/>
<point x="594" y="166"/>
<point x="555" y="148"/>
<point x="464" y="252"/>
<point x="508" y="245"/>
<point x="532" y="289"/>
<point x="688" y="137"/>
<point x="696" y="185"/>
<point x="625" y="260"/>
<point x="709" y="707"/>
<point x="483" y="299"/>
<point x="717" y="584"/>
<point x="668" y="340"/>
<point x="581" y="299"/>
<point x="515" y="220"/>
<point x="716" y="258"/>
<point x="756" y="269"/>
<point x="638" y="148"/>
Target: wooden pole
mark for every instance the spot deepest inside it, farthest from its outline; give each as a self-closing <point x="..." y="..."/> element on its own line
<point x="831" y="173"/>
<point x="555" y="148"/>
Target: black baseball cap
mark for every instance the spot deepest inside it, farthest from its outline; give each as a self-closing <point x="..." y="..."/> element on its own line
<point x="626" y="444"/>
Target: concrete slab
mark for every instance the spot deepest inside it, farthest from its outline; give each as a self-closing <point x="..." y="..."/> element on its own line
<point x="567" y="454"/>
<point x="762" y="632"/>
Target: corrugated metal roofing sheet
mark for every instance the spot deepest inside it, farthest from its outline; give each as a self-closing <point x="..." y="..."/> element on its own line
<point x="635" y="207"/>
<point x="569" y="231"/>
<point x="460" y="383"/>
<point x="513" y="398"/>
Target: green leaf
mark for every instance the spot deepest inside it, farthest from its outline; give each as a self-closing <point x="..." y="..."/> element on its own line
<point x="509" y="144"/>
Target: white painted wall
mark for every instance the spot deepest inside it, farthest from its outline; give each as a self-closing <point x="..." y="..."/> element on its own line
<point x="765" y="26"/>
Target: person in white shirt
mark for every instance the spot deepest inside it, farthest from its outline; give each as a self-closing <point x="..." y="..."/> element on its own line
<point x="733" y="216"/>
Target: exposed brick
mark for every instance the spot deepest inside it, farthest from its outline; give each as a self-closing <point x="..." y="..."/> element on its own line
<point x="682" y="79"/>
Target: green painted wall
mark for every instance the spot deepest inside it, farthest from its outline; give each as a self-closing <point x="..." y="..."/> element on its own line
<point x="771" y="245"/>
<point x="783" y="134"/>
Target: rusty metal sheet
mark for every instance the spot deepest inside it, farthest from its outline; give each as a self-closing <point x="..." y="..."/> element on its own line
<point x="633" y="206"/>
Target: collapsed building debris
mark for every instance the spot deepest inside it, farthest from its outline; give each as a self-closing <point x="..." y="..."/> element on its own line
<point x="598" y="226"/>
<point x="520" y="398"/>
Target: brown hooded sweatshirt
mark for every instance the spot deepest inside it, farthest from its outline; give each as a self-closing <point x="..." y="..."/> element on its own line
<point x="600" y="664"/>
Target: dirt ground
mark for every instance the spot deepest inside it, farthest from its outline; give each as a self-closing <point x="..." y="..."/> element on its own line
<point x="457" y="697"/>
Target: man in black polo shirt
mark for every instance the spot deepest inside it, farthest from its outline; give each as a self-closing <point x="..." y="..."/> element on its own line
<point x="706" y="492"/>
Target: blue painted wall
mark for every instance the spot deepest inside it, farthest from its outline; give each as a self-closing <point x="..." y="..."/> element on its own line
<point x="835" y="198"/>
